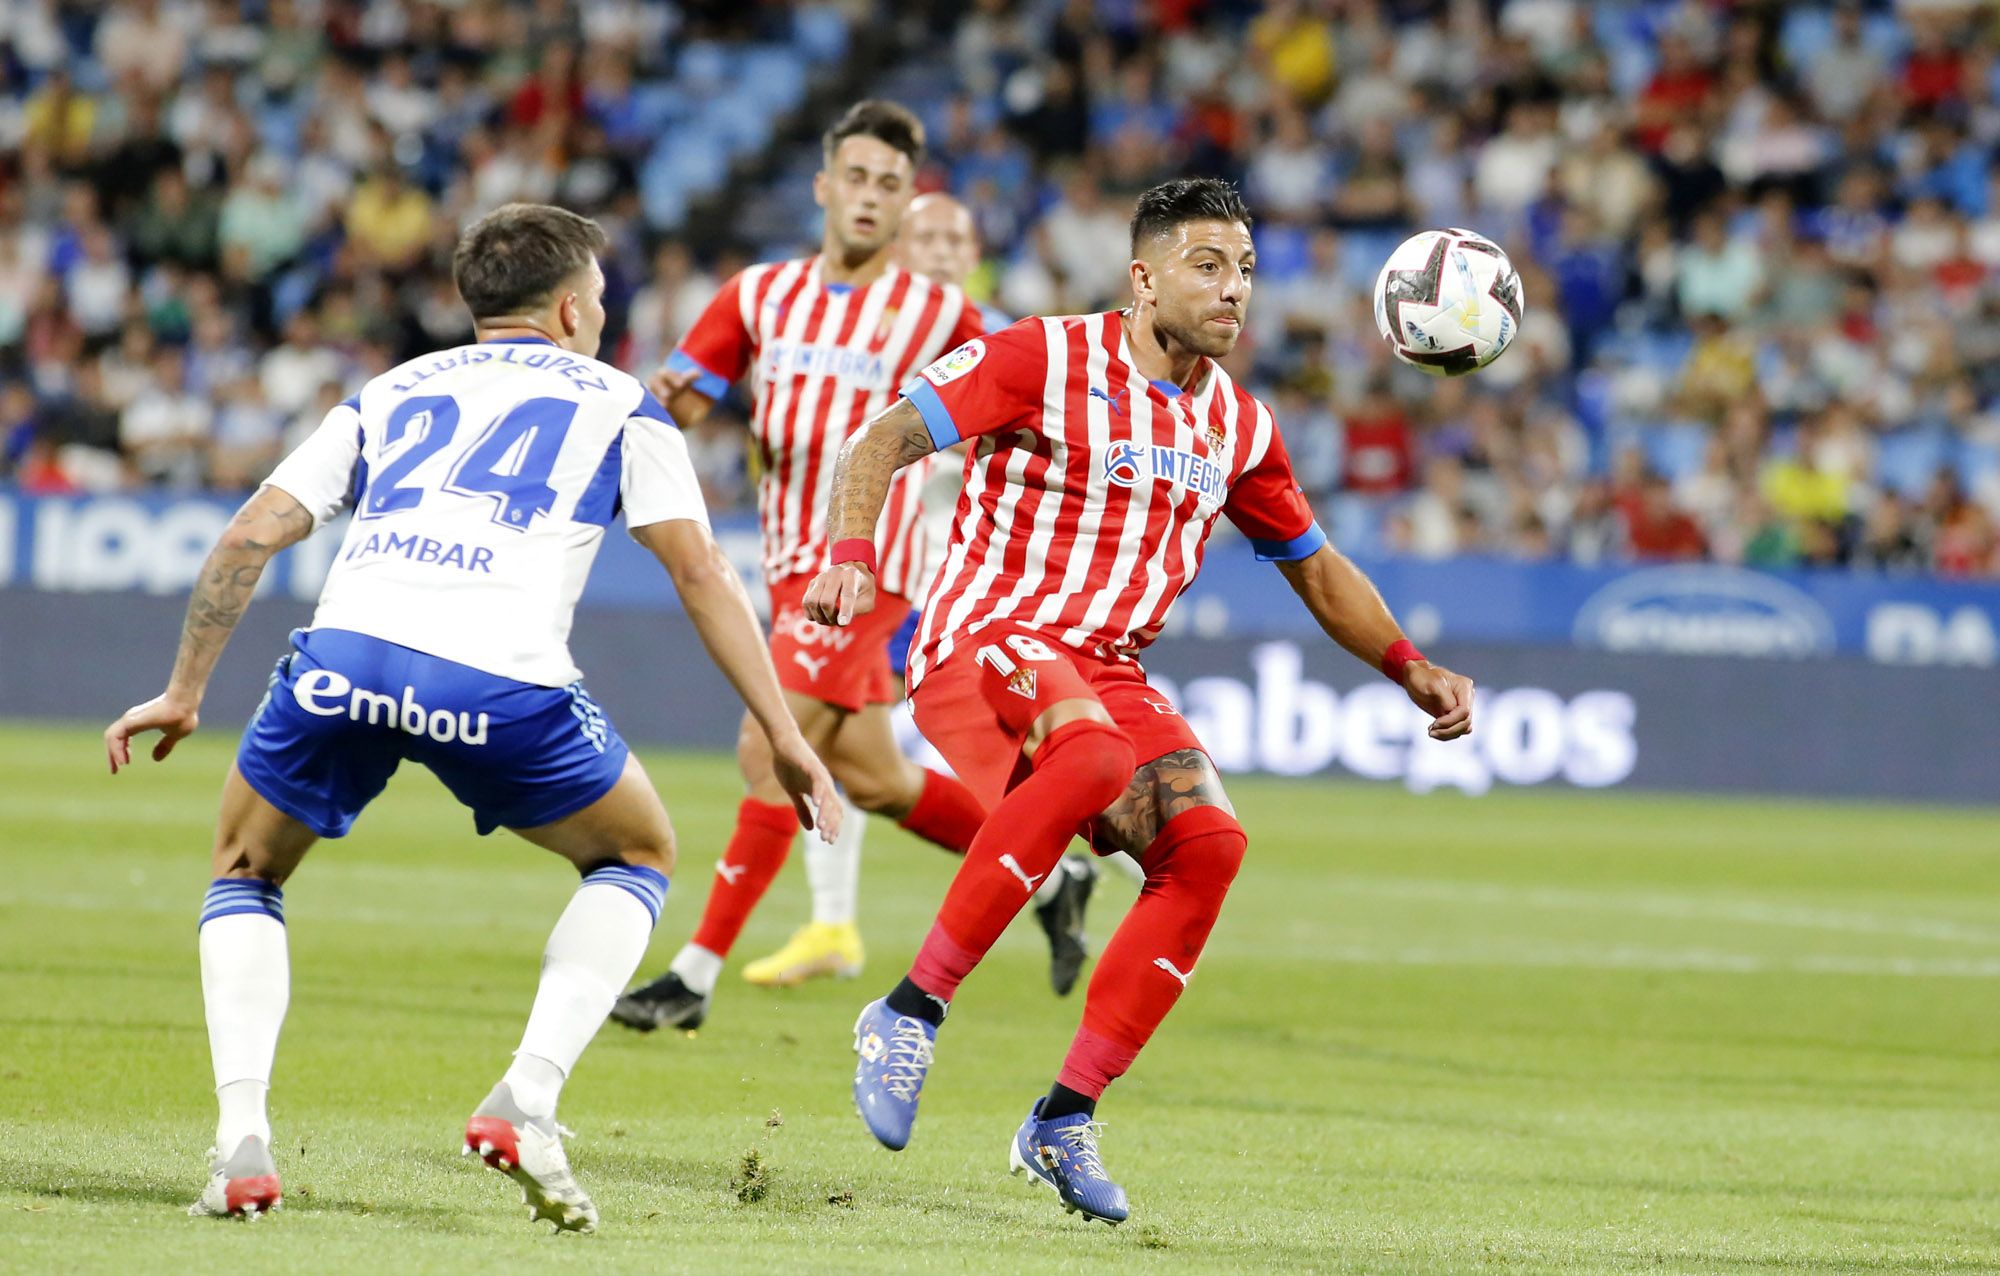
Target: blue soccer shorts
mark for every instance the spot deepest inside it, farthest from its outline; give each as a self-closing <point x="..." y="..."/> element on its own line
<point x="344" y="709"/>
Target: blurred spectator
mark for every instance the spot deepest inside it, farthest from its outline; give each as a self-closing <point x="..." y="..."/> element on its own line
<point x="1380" y="449"/>
<point x="164" y="432"/>
<point x="1758" y="244"/>
<point x="389" y="221"/>
<point x="263" y="225"/>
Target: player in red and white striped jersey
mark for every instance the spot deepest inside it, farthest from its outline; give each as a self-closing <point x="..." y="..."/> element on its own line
<point x="1104" y="449"/>
<point x="826" y="340"/>
<point x="939" y="241"/>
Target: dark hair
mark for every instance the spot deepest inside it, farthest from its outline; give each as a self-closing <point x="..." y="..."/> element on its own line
<point x="511" y="260"/>
<point x="1186" y="199"/>
<point x="886" y="122"/>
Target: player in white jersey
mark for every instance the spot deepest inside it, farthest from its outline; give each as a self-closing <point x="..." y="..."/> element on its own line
<point x="939" y="241"/>
<point x="481" y="479"/>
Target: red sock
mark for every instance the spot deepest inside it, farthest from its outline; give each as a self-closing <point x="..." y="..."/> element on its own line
<point x="1188" y="870"/>
<point x="946" y="813"/>
<point x="1079" y="770"/>
<point x="757" y="850"/>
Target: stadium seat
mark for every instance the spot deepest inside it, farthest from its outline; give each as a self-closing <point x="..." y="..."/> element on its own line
<point x="1676" y="448"/>
<point x="821" y="32"/>
<point x="1905" y="460"/>
<point x="776" y="75"/>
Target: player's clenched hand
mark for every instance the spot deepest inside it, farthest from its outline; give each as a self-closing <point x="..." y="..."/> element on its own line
<point x="665" y="385"/>
<point x="804" y="776"/>
<point x="173" y="718"/>
<point x="840" y="593"/>
<point x="1444" y="695"/>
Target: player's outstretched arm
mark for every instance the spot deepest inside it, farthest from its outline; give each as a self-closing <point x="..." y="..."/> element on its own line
<point x="267" y="523"/>
<point x="1345" y="603"/>
<point x="720" y="608"/>
<point x="886" y="443"/>
<point x="675" y="389"/>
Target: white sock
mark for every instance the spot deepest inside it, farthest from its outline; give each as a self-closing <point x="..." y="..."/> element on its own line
<point x="1052" y="882"/>
<point x="591" y="955"/>
<point x="535" y="1082"/>
<point x="245" y="988"/>
<point x="698" y="968"/>
<point x="241" y="1114"/>
<point x="834" y="871"/>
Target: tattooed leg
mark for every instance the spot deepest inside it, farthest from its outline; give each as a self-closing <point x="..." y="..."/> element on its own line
<point x="1167" y="786"/>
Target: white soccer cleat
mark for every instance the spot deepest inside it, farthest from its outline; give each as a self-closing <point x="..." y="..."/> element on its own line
<point x="244" y="1186"/>
<point x="529" y="1150"/>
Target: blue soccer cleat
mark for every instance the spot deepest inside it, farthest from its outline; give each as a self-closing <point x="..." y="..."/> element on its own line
<point x="1062" y="1153"/>
<point x="896" y="1052"/>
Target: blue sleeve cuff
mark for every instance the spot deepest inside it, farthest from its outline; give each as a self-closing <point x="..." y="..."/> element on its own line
<point x="937" y="417"/>
<point x="710" y="384"/>
<point x="1302" y="546"/>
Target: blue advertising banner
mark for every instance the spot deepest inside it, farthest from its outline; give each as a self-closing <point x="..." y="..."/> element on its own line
<point x="154" y="544"/>
<point x="1547" y="717"/>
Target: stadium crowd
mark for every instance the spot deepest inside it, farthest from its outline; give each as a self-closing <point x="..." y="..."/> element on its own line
<point x="1759" y="243"/>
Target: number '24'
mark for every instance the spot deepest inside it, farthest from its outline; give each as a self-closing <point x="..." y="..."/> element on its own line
<point x="510" y="462"/>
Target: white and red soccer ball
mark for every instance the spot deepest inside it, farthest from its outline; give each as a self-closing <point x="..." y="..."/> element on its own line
<point x="1448" y="302"/>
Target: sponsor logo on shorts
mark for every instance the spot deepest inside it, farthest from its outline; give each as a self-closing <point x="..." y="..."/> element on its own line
<point x="326" y="694"/>
<point x="590" y="719"/>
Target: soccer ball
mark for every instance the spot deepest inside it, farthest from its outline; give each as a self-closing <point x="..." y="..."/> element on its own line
<point x="1448" y="302"/>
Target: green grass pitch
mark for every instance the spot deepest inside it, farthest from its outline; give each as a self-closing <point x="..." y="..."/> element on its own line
<point x="1534" y="1032"/>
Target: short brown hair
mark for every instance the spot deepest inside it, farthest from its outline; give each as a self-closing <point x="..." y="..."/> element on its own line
<point x="886" y="122"/>
<point x="511" y="260"/>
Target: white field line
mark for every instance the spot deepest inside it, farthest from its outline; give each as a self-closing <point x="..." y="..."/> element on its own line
<point x="1633" y="957"/>
<point x="1670" y="907"/>
<point x="1502" y="954"/>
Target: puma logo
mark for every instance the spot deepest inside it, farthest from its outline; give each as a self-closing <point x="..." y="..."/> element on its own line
<point x="730" y="872"/>
<point x="811" y="664"/>
<point x="1173" y="970"/>
<point x="1013" y="866"/>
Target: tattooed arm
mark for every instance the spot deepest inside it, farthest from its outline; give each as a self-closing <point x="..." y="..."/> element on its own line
<point x="861" y="474"/>
<point x="267" y="523"/>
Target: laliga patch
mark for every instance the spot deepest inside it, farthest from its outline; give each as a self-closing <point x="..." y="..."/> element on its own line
<point x="957" y="363"/>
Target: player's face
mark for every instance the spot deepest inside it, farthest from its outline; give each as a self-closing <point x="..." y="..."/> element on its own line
<point x="864" y="192"/>
<point x="1197" y="278"/>
<point x="583" y="312"/>
<point x="938" y="240"/>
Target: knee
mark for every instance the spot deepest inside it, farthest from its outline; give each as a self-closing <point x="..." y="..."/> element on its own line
<point x="889" y="787"/>
<point x="238" y="858"/>
<point x="753" y="752"/>
<point x="1204" y="845"/>
<point x="656" y="851"/>
<point x="1097" y="759"/>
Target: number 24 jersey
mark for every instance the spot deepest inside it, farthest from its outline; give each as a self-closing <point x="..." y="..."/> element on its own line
<point x="481" y="480"/>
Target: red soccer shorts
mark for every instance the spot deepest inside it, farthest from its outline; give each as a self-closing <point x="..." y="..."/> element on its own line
<point x="845" y="667"/>
<point x="977" y="706"/>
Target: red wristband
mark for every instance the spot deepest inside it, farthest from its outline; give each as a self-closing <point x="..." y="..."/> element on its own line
<point x="1397" y="660"/>
<point x="856" y="549"/>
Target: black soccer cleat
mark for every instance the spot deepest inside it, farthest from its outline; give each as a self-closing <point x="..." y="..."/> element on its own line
<point x="1062" y="921"/>
<point x="664" y="1003"/>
